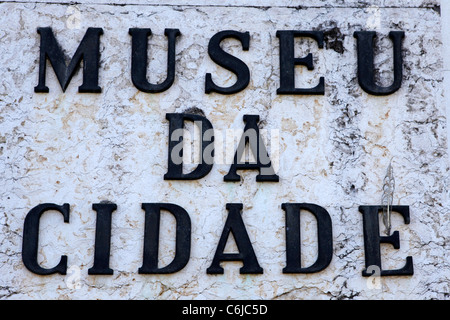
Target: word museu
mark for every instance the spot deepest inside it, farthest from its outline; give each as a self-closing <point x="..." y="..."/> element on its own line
<point x="88" y="51"/>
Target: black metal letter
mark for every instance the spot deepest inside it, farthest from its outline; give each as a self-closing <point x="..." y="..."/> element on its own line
<point x="228" y="61"/>
<point x="139" y="55"/>
<point x="175" y="154"/>
<point x="366" y="72"/>
<point x="288" y="62"/>
<point x="31" y="239"/>
<point x="151" y="238"/>
<point x="88" y="51"/>
<point x="293" y="245"/>
<point x="372" y="240"/>
<point x="235" y="225"/>
<point x="263" y="164"/>
<point x="102" y="238"/>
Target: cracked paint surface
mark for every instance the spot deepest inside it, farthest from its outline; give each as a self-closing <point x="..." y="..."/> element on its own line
<point x="333" y="149"/>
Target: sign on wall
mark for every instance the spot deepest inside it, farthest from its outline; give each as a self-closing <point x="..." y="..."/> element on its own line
<point x="222" y="152"/>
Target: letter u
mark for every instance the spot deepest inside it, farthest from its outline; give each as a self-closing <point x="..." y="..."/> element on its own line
<point x="366" y="72"/>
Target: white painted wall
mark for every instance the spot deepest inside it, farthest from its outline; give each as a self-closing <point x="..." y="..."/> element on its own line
<point x="445" y="12"/>
<point x="333" y="149"/>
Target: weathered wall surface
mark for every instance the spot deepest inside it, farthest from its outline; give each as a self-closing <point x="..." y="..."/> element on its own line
<point x="332" y="150"/>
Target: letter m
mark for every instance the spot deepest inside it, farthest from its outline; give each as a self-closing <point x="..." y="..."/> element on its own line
<point x="88" y="51"/>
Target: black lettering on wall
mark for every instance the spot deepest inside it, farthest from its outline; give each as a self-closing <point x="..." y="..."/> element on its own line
<point x="139" y="59"/>
<point x="151" y="238"/>
<point x="366" y="69"/>
<point x="293" y="245"/>
<point x="31" y="239"/>
<point x="372" y="240"/>
<point x="235" y="225"/>
<point x="229" y="62"/>
<point x="175" y="153"/>
<point x="288" y="61"/>
<point x="263" y="164"/>
<point x="88" y="51"/>
<point x="102" y="238"/>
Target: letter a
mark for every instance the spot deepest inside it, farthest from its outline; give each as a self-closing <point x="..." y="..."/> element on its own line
<point x="263" y="164"/>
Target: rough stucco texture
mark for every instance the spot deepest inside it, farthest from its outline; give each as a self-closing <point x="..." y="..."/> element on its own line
<point x="332" y="150"/>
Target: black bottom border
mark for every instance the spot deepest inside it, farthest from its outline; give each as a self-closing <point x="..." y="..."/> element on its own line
<point x="227" y="309"/>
